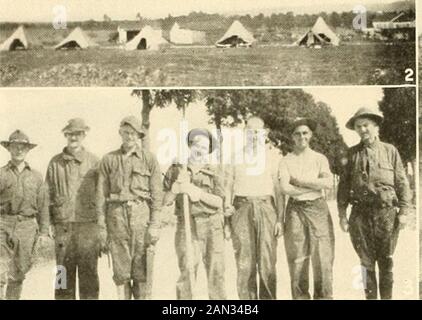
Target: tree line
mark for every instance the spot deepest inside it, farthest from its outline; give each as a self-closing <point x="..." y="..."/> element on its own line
<point x="278" y="108"/>
<point x="207" y="22"/>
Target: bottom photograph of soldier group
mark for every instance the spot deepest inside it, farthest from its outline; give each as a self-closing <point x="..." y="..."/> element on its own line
<point x="208" y="194"/>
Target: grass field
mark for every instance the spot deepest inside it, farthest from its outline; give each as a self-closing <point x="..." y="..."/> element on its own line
<point x="369" y="63"/>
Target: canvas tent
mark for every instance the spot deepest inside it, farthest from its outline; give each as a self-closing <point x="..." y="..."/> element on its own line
<point x="16" y="41"/>
<point x="320" y="34"/>
<point x="178" y="35"/>
<point x="77" y="39"/>
<point x="236" y="36"/>
<point x="147" y="39"/>
<point x="128" y="30"/>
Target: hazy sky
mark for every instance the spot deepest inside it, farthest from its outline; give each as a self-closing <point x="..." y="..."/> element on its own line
<point x="42" y="113"/>
<point x="42" y="10"/>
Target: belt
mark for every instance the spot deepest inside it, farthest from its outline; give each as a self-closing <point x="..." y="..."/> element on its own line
<point x="124" y="200"/>
<point x="252" y="198"/>
<point x="18" y="216"/>
<point x="295" y="201"/>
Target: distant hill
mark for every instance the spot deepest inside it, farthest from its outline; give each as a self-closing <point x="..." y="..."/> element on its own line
<point x="315" y="8"/>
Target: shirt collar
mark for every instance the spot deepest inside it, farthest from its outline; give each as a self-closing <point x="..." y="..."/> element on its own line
<point x="11" y="166"/>
<point x="372" y="145"/>
<point x="137" y="151"/>
<point x="304" y="152"/>
<point x="78" y="156"/>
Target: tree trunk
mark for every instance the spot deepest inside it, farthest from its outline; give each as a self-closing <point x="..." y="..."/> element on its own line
<point x="145" y="112"/>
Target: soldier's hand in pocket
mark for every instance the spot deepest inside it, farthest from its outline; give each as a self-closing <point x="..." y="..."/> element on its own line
<point x="279" y="229"/>
<point x="344" y="224"/>
<point x="153" y="234"/>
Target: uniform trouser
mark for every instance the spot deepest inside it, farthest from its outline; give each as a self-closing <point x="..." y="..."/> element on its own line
<point x="309" y="236"/>
<point x="127" y="235"/>
<point x="255" y="247"/>
<point x="374" y="233"/>
<point x="208" y="244"/>
<point x="18" y="236"/>
<point x="77" y="251"/>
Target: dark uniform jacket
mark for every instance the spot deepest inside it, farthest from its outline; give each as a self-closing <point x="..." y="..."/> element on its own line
<point x="24" y="194"/>
<point x="374" y="174"/>
<point x="208" y="178"/>
<point x="71" y="180"/>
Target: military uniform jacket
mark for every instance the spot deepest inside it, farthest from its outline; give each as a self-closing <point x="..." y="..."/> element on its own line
<point x="130" y="177"/>
<point x="71" y="179"/>
<point x="370" y="168"/>
<point x="24" y="194"/>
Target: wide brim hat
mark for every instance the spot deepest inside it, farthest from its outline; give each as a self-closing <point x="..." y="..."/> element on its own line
<point x="75" y="125"/>
<point x="365" y="113"/>
<point x="135" y="123"/>
<point x="311" y="124"/>
<point x="203" y="132"/>
<point x="18" y="137"/>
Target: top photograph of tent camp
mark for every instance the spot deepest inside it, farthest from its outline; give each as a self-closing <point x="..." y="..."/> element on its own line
<point x="199" y="43"/>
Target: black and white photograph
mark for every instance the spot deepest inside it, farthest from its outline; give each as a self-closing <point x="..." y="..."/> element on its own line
<point x="206" y="158"/>
<point x="209" y="194"/>
<point x="201" y="43"/>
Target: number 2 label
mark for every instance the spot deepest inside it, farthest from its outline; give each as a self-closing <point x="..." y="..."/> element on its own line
<point x="409" y="75"/>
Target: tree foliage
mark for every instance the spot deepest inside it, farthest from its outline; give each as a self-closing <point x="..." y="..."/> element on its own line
<point x="399" y="127"/>
<point x="161" y="99"/>
<point x="278" y="109"/>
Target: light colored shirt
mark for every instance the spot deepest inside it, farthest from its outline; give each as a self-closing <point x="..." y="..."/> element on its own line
<point x="255" y="178"/>
<point x="304" y="166"/>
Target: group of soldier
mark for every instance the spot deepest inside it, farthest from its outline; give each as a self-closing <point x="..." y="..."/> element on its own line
<point x="113" y="206"/>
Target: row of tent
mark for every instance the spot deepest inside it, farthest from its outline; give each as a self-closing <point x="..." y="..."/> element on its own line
<point x="148" y="38"/>
<point x="77" y="38"/>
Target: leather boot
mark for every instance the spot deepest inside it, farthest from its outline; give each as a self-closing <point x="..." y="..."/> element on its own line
<point x="385" y="267"/>
<point x="124" y="291"/>
<point x="139" y="290"/>
<point x="371" y="288"/>
<point x="386" y="285"/>
<point x="13" y="290"/>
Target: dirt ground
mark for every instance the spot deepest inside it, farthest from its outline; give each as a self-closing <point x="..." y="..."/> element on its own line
<point x="40" y="280"/>
<point x="349" y="64"/>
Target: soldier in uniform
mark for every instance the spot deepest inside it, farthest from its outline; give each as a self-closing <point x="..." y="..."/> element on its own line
<point x="257" y="220"/>
<point x="308" y="235"/>
<point x="375" y="185"/>
<point x="129" y="199"/>
<point x="71" y="178"/>
<point x="203" y="183"/>
<point x="23" y="215"/>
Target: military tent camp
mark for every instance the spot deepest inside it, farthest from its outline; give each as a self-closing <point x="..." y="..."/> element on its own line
<point x="77" y="39"/>
<point x="147" y="39"/>
<point x="185" y="36"/>
<point x="16" y="41"/>
<point x="236" y="36"/>
<point x="320" y="34"/>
